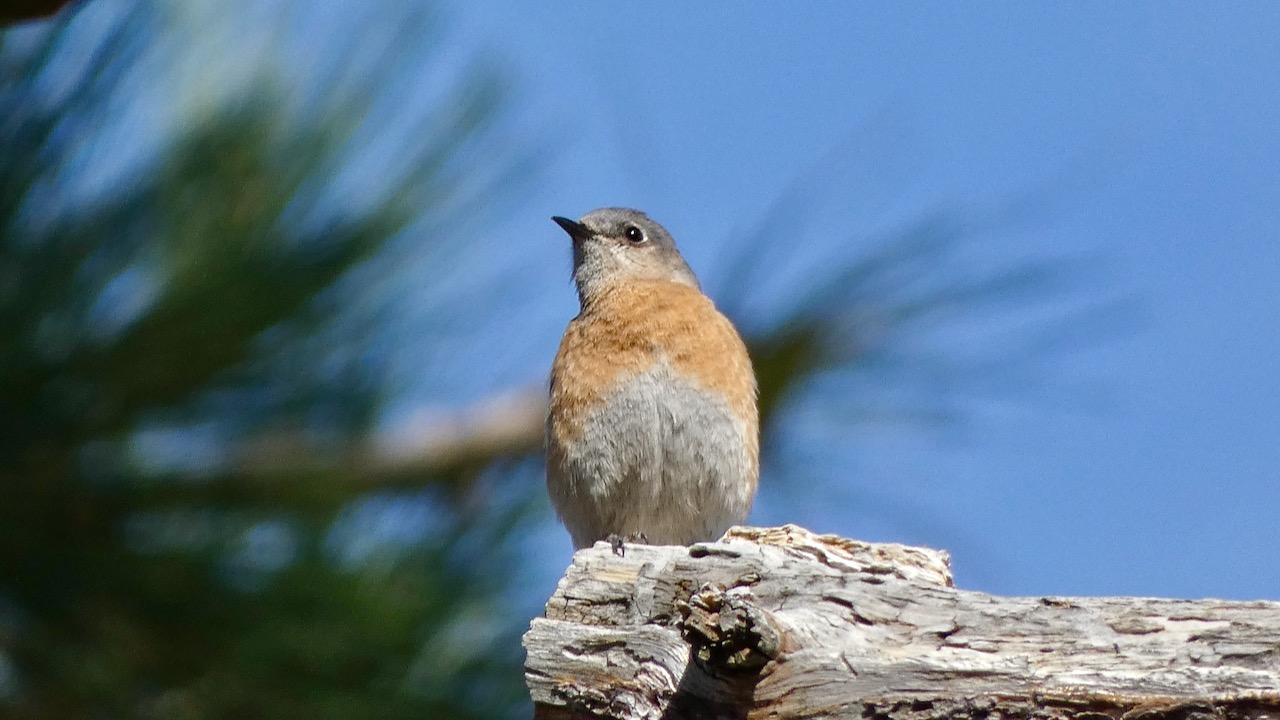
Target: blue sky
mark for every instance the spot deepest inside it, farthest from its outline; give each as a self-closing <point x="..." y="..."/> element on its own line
<point x="1145" y="462"/>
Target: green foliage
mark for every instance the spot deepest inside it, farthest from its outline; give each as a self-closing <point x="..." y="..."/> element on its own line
<point x="201" y="296"/>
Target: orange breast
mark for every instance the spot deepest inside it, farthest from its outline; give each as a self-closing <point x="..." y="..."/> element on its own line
<point x="628" y="328"/>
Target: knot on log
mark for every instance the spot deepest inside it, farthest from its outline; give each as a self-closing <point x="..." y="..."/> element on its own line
<point x="726" y="628"/>
<point x="781" y="622"/>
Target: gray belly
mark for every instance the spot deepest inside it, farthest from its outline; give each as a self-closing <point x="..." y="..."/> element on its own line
<point x="662" y="457"/>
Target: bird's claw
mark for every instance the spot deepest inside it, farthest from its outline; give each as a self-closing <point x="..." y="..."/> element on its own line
<point x="619" y="544"/>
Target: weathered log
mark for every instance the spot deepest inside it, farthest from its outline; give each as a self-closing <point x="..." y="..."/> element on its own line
<point x="782" y="623"/>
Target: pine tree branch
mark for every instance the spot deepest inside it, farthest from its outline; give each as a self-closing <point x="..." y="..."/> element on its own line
<point x="284" y="468"/>
<point x="20" y="10"/>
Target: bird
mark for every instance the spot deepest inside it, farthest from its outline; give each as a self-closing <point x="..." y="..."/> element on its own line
<point x="652" y="433"/>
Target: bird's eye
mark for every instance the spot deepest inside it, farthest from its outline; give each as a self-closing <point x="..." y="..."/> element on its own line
<point x="634" y="234"/>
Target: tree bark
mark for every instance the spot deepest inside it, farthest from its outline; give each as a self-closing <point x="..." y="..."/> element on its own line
<point x="783" y="623"/>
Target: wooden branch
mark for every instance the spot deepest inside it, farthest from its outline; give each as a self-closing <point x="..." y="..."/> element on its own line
<point x="782" y="623"/>
<point x="286" y="468"/>
<point x="431" y="441"/>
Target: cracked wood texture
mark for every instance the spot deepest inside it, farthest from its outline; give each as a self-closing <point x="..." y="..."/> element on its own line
<point x="783" y="623"/>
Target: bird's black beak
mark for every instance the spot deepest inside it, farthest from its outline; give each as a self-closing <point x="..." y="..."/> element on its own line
<point x="576" y="230"/>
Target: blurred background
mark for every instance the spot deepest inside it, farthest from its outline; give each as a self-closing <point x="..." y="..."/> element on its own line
<point x="279" y="290"/>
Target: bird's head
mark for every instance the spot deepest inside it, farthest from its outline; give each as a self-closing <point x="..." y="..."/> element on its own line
<point x="619" y="245"/>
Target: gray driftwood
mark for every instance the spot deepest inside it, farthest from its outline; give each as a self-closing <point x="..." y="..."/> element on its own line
<point x="782" y="623"/>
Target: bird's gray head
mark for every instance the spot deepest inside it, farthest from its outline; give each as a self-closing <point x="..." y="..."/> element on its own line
<point x="613" y="245"/>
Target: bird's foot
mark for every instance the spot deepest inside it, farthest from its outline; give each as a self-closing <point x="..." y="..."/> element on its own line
<point x="619" y="545"/>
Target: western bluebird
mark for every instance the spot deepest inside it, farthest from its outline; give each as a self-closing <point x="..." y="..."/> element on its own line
<point x="653" y="431"/>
